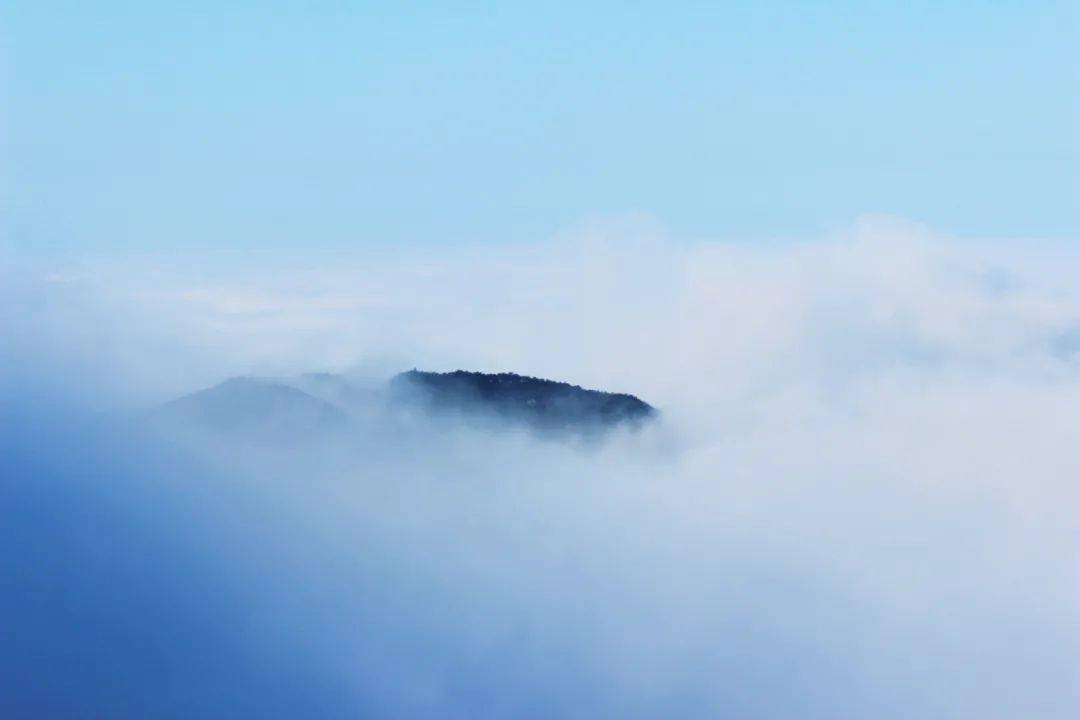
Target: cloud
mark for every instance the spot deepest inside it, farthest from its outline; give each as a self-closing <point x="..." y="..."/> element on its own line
<point x="858" y="503"/>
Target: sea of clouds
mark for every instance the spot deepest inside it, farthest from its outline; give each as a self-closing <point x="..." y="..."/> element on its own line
<point x="860" y="500"/>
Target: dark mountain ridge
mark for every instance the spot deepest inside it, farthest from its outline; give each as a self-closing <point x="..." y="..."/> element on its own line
<point x="544" y="404"/>
<point x="309" y="406"/>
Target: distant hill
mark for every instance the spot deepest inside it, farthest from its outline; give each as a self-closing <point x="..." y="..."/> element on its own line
<point x="250" y="407"/>
<point x="310" y="406"/>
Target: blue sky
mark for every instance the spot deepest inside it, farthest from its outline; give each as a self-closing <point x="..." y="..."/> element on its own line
<point x="143" y="127"/>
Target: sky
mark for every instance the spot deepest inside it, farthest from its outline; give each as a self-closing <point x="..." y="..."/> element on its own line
<point x="134" y="128"/>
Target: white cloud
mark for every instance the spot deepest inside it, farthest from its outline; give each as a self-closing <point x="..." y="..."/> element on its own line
<point x="860" y="500"/>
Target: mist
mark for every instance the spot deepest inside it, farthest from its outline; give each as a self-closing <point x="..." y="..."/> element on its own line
<point x="858" y="501"/>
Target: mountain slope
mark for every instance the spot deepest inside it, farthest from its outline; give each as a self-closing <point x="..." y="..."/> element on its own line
<point x="544" y="404"/>
<point x="253" y="407"/>
<point x="310" y="406"/>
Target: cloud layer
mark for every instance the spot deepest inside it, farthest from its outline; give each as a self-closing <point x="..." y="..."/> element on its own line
<point x="859" y="502"/>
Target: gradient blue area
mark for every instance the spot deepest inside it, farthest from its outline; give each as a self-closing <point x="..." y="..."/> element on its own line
<point x="137" y="582"/>
<point x="146" y="126"/>
<point x="119" y="592"/>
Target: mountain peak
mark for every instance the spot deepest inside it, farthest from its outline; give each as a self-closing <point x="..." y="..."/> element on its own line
<point x="308" y="406"/>
<point x="254" y="407"/>
<point x="544" y="404"/>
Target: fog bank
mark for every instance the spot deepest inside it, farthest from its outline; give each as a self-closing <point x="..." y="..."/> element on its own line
<point x="859" y="501"/>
